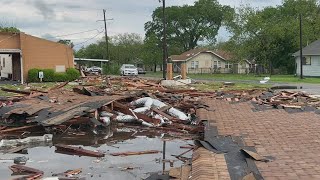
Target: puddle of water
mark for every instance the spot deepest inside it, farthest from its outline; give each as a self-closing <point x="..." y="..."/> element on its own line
<point x="109" y="167"/>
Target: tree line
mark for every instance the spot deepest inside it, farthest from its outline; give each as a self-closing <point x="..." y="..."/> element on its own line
<point x="268" y="36"/>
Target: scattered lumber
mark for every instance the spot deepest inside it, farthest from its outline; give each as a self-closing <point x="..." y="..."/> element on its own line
<point x="130" y="153"/>
<point x="65" y="149"/>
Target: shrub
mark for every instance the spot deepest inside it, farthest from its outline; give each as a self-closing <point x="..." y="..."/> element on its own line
<point x="50" y="76"/>
<point x="33" y="75"/>
<point x="60" y="77"/>
<point x="112" y="69"/>
<point x="73" y="74"/>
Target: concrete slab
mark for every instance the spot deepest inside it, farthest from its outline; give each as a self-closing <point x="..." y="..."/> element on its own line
<point x="181" y="82"/>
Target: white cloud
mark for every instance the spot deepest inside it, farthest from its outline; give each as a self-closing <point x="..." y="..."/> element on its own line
<point x="48" y="18"/>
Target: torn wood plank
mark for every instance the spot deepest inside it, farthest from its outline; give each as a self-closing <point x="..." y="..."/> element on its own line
<point x="291" y="106"/>
<point x="59" y="86"/>
<point x="24" y="128"/>
<point x="73" y="172"/>
<point x="136" y="84"/>
<point x="24" y="169"/>
<point x="163" y="114"/>
<point x="65" y="149"/>
<point x="16" y="91"/>
<point x="130" y="153"/>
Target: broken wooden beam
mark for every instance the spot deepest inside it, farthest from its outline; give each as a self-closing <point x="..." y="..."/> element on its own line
<point x="11" y="130"/>
<point x="59" y="86"/>
<point x="130" y="153"/>
<point x="65" y="149"/>
<point x="163" y="114"/>
<point x="24" y="169"/>
<point x="16" y="91"/>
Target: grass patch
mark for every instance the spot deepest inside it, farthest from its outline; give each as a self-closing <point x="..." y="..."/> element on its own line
<point x="245" y="77"/>
<point x="238" y="86"/>
<point x="40" y="86"/>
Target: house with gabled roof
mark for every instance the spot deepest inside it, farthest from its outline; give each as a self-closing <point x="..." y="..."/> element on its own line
<point x="311" y="60"/>
<point x="202" y="60"/>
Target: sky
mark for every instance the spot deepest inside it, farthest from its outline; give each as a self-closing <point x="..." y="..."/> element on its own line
<point x="80" y="20"/>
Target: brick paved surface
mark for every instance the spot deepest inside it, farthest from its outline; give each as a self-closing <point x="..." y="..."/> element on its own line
<point x="207" y="165"/>
<point x="292" y="139"/>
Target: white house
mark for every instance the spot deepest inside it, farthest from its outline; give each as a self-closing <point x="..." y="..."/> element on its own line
<point x="208" y="61"/>
<point x="5" y="66"/>
<point x="311" y="60"/>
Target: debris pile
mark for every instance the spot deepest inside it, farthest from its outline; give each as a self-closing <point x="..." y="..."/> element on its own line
<point x="290" y="101"/>
<point x="98" y="103"/>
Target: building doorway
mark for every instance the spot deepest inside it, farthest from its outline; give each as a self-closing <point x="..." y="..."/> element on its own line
<point x="10" y="66"/>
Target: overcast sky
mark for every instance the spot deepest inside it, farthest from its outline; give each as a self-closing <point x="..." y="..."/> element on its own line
<point x="53" y="18"/>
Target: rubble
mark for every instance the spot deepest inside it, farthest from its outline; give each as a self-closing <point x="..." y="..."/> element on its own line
<point x="95" y="105"/>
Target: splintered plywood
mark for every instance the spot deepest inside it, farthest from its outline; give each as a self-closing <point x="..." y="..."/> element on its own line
<point x="207" y="165"/>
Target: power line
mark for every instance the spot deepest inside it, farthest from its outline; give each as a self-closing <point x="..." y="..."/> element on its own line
<point x="89" y="39"/>
<point x="77" y="33"/>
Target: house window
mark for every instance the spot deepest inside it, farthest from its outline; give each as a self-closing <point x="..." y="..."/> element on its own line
<point x="4" y="62"/>
<point x="228" y="65"/>
<point x="306" y="60"/>
<point x="192" y="65"/>
<point x="216" y="64"/>
<point x="196" y="64"/>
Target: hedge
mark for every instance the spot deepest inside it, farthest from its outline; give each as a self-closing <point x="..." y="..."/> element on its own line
<point x="50" y="76"/>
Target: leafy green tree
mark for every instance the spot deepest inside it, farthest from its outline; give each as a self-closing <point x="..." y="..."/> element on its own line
<point x="271" y="35"/>
<point x="187" y="25"/>
<point x="9" y="29"/>
<point x="152" y="52"/>
<point x="66" y="42"/>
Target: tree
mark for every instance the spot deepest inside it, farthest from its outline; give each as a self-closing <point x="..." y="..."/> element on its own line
<point x="127" y="47"/>
<point x="271" y="35"/>
<point x="9" y="29"/>
<point x="66" y="42"/>
<point x="152" y="53"/>
<point x="187" y="25"/>
<point x="124" y="48"/>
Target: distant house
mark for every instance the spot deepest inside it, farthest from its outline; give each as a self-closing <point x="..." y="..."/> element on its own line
<point x="311" y="60"/>
<point x="208" y="61"/>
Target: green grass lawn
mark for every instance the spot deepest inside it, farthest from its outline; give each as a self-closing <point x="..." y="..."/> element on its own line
<point x="244" y="77"/>
<point x="237" y="86"/>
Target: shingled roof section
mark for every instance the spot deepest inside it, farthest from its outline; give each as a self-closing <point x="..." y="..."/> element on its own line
<point x="312" y="49"/>
<point x="194" y="52"/>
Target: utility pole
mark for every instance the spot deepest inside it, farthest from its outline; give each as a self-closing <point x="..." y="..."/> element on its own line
<point x="301" y="58"/>
<point x="165" y="54"/>
<point x="106" y="33"/>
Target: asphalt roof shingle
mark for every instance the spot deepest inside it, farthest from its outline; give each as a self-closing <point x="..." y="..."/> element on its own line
<point x="193" y="52"/>
<point x="312" y="49"/>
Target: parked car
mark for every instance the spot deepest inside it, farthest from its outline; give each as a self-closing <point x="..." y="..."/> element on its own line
<point x="141" y="71"/>
<point x="128" y="69"/>
<point x="94" y="69"/>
